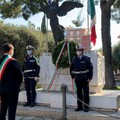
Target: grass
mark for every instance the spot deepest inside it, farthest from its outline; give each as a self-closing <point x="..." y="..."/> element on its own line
<point x="117" y="79"/>
<point x="117" y="88"/>
<point x="38" y="85"/>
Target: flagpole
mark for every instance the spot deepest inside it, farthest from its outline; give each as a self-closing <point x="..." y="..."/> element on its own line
<point x="47" y="34"/>
<point x="88" y="26"/>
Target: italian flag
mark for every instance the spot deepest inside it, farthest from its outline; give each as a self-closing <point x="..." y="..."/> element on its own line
<point x="91" y="12"/>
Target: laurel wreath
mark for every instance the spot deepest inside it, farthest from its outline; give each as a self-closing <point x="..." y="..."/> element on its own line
<point x="64" y="59"/>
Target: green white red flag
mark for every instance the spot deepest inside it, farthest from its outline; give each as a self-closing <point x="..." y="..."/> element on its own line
<point x="91" y="12"/>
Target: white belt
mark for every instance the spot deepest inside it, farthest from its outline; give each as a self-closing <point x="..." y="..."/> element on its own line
<point x="31" y="77"/>
<point x="29" y="71"/>
<point x="80" y="72"/>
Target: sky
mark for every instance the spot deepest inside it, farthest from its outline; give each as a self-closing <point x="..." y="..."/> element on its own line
<point x="67" y="21"/>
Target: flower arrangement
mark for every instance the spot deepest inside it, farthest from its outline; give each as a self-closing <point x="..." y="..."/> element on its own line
<point x="68" y="50"/>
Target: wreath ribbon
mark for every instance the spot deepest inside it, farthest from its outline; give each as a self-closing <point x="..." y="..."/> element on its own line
<point x="56" y="69"/>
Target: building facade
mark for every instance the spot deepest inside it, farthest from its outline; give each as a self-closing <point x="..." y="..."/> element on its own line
<point x="79" y="35"/>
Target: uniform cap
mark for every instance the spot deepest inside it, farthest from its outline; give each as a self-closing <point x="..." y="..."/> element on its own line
<point x="30" y="47"/>
<point x="79" y="47"/>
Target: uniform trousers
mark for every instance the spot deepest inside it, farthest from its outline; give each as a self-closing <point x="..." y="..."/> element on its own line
<point x="30" y="90"/>
<point x="82" y="93"/>
<point x="8" y="102"/>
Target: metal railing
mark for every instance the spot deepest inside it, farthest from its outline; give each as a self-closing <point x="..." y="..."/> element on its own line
<point x="64" y="89"/>
<point x="64" y="107"/>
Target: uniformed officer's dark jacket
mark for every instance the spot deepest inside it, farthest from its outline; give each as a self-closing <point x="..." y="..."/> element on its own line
<point x="12" y="77"/>
<point x="81" y="65"/>
<point x="31" y="68"/>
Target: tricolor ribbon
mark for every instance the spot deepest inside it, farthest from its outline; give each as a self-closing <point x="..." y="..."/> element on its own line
<point x="56" y="69"/>
<point x="73" y="87"/>
<point x="4" y="64"/>
<point x="52" y="80"/>
<point x="68" y="48"/>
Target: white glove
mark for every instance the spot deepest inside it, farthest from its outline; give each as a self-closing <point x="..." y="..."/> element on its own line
<point x="36" y="79"/>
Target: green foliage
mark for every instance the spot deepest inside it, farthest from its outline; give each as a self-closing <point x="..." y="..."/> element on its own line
<point x="63" y="62"/>
<point x="51" y="45"/>
<point x="20" y="37"/>
<point x="38" y="86"/>
<point x="24" y="8"/>
<point x="43" y="25"/>
<point x="117" y="4"/>
<point x="31" y="25"/>
<point x="115" y="12"/>
<point x="116" y="55"/>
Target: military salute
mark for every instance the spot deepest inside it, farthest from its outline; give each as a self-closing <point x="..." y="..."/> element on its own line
<point x="10" y="80"/>
<point x="31" y="73"/>
<point x="81" y="71"/>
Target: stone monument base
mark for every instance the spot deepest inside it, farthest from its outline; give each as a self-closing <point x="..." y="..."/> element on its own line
<point x="108" y="99"/>
<point x="93" y="88"/>
<point x="63" y="75"/>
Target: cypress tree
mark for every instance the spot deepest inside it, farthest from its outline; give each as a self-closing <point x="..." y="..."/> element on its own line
<point x="43" y="25"/>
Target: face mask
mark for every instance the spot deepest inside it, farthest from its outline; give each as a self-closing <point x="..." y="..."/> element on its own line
<point x="29" y="52"/>
<point x="79" y="53"/>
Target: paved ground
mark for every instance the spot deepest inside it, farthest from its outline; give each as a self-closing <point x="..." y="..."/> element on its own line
<point x="92" y="115"/>
<point x="31" y="118"/>
<point x="47" y="113"/>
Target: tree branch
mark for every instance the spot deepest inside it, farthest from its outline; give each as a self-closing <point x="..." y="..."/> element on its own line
<point x="102" y="2"/>
<point x="4" y="1"/>
<point x="107" y="3"/>
<point x="110" y="2"/>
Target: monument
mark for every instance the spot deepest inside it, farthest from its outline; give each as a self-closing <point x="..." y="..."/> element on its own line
<point x="53" y="10"/>
<point x="53" y="98"/>
<point x="63" y="76"/>
<point x="103" y="99"/>
<point x="98" y="97"/>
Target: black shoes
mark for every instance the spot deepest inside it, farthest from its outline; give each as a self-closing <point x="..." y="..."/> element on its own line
<point x="29" y="104"/>
<point x="78" y="109"/>
<point x="26" y="104"/>
<point x="32" y="104"/>
<point x="86" y="110"/>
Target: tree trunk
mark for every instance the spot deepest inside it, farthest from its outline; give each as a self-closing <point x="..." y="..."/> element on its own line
<point x="106" y="42"/>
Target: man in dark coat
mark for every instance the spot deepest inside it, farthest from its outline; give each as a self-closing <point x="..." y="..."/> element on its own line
<point x="31" y="71"/>
<point x="10" y="81"/>
<point x="81" y="71"/>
